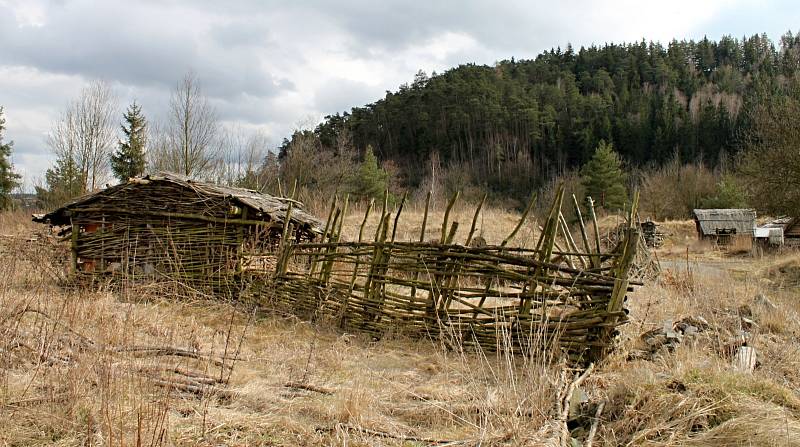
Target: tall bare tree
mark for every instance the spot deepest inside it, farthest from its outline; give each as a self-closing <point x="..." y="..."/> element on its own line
<point x="771" y="161"/>
<point x="242" y="155"/>
<point x="85" y="135"/>
<point x="192" y="131"/>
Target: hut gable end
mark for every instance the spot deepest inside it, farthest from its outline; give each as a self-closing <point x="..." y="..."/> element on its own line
<point x="711" y="222"/>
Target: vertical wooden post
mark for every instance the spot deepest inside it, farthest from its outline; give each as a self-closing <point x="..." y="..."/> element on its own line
<point x="594" y="261"/>
<point x="397" y="216"/>
<point x="449" y="279"/>
<point x="571" y="246"/>
<point x="475" y="221"/>
<point x="76" y="229"/>
<point x="240" y="243"/>
<point x="521" y="221"/>
<point x="545" y="245"/>
<point x="356" y="265"/>
<point x="447" y="215"/>
<point x="421" y="240"/>
<point x="425" y="217"/>
<point x="594" y="223"/>
<point x="621" y="270"/>
<point x="102" y="245"/>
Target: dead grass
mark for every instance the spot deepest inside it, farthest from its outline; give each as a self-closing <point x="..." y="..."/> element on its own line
<point x="493" y="224"/>
<point x="296" y="383"/>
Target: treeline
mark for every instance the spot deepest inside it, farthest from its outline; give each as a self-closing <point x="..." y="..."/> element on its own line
<point x="510" y="127"/>
<point x="692" y="124"/>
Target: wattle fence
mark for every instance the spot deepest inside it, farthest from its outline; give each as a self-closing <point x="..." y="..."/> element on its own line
<point x="494" y="297"/>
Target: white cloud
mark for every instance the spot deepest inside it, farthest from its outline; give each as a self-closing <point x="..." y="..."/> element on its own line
<point x="268" y="65"/>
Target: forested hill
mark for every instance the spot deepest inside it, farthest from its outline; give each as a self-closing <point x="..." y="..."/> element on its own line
<point x="537" y="117"/>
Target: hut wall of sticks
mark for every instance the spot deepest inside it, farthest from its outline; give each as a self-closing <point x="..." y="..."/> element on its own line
<point x="495" y="297"/>
<point x="167" y="227"/>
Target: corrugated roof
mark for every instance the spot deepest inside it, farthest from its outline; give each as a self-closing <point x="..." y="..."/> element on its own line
<point x="274" y="207"/>
<point x="711" y="220"/>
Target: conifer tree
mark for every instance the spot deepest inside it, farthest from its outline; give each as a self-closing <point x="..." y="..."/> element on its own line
<point x="370" y="180"/>
<point x="62" y="182"/>
<point x="129" y="160"/>
<point x="8" y="178"/>
<point x="604" y="179"/>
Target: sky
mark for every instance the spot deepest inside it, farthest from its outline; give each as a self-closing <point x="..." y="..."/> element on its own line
<point x="272" y="67"/>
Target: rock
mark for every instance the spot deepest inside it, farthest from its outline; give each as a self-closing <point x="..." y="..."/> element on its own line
<point x="669" y="332"/>
<point x="745" y="359"/>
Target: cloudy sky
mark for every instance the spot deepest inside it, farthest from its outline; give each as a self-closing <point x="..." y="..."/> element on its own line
<point x="273" y="66"/>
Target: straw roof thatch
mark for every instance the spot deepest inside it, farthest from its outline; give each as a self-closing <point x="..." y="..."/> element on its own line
<point x="743" y="221"/>
<point x="263" y="206"/>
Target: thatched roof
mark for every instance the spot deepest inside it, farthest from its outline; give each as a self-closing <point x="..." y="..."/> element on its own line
<point x="711" y="220"/>
<point x="264" y="205"/>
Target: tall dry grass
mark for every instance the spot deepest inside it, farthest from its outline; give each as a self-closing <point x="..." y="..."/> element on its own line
<point x="69" y="373"/>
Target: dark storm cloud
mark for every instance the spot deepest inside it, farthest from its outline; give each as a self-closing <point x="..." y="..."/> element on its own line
<point x="136" y="46"/>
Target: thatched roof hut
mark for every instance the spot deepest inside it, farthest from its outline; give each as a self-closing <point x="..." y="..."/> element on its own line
<point x="714" y="223"/>
<point x="167" y="225"/>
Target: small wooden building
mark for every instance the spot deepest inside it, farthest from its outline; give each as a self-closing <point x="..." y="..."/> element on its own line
<point x="167" y="226"/>
<point x="720" y="225"/>
<point x="791" y="232"/>
<point x="783" y="231"/>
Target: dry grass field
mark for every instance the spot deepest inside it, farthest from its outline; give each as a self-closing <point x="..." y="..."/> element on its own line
<point x="142" y="367"/>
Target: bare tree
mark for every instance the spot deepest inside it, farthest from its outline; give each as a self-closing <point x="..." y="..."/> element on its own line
<point x="159" y="149"/>
<point x="771" y="161"/>
<point x="86" y="133"/>
<point x="193" y="130"/>
<point x="244" y="154"/>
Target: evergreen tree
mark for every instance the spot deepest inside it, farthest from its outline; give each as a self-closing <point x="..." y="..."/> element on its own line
<point x="518" y="121"/>
<point x="129" y="160"/>
<point x="370" y="180"/>
<point x="63" y="181"/>
<point x="8" y="178"/>
<point x="604" y="179"/>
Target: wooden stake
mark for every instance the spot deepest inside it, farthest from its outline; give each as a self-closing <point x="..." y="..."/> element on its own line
<point x="475" y="221"/>
<point x="447" y="215"/>
<point x="521" y="220"/>
<point x="397" y="217"/>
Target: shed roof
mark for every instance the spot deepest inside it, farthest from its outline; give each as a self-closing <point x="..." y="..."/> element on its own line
<point x="274" y="207"/>
<point x="711" y="220"/>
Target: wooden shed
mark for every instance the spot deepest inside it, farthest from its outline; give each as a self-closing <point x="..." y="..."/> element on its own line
<point x="787" y="227"/>
<point x="721" y="225"/>
<point x="170" y="227"/>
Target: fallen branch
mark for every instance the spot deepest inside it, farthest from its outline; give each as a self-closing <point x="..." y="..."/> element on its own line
<point x="36" y="400"/>
<point x="564" y="401"/>
<point x="156" y="351"/>
<point x="198" y="389"/>
<point x="191" y="375"/>
<point x="308" y="387"/>
<point x="595" y="423"/>
<point x="86" y="340"/>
